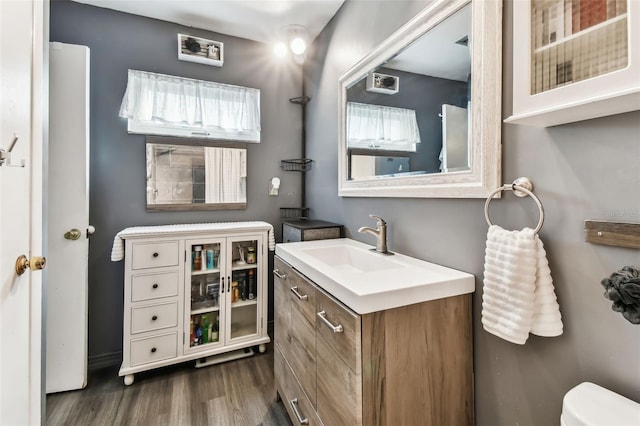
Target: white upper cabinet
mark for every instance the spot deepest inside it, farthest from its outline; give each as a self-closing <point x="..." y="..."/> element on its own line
<point x="574" y="60"/>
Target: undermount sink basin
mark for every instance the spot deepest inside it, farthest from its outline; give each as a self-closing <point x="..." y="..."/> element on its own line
<point x="368" y="281"/>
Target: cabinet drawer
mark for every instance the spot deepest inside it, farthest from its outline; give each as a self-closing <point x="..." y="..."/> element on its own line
<point x="292" y="394"/>
<point x="153" y="349"/>
<point x="154" y="286"/>
<point x="155" y="317"/>
<point x="345" y="343"/>
<point x="295" y="331"/>
<point x="300" y="291"/>
<point x="154" y="255"/>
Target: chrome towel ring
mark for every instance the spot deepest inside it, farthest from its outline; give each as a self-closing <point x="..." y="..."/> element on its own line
<point x="521" y="187"/>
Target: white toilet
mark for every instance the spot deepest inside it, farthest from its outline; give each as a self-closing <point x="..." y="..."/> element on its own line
<point x="591" y="405"/>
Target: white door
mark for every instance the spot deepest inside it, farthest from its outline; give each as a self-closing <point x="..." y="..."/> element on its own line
<point x="455" y="138"/>
<point x="68" y="218"/>
<point x="21" y="228"/>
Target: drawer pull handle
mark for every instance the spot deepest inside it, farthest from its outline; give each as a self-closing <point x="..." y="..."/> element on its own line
<point x="153" y="350"/>
<point x="280" y="275"/>
<point x="155" y="286"/>
<point x="294" y="290"/>
<point x="155" y="254"/>
<point x="153" y="318"/>
<point x="228" y="284"/>
<point x="294" y="407"/>
<point x="335" y="328"/>
<point x="222" y="287"/>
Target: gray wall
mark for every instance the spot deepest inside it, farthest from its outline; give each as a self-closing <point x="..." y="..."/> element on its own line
<point x="587" y="170"/>
<point x="117" y="179"/>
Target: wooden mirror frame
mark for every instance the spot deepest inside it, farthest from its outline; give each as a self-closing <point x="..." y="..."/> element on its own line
<point x="486" y="108"/>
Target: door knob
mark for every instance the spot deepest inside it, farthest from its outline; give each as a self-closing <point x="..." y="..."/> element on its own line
<point x="35" y="263"/>
<point x="72" y="234"/>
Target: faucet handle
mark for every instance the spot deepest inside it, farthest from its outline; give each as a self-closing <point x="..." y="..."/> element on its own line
<point x="380" y="220"/>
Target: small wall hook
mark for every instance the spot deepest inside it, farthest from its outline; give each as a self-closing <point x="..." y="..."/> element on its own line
<point x="5" y="156"/>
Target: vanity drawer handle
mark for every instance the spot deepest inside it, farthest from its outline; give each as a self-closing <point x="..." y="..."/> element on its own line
<point x="156" y="254"/>
<point x="335" y="328"/>
<point x="277" y="273"/>
<point x="155" y="285"/>
<point x="153" y="350"/>
<point x="294" y="407"/>
<point x="294" y="290"/>
<point x="154" y="318"/>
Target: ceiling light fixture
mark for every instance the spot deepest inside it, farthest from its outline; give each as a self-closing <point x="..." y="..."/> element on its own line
<point x="296" y="40"/>
<point x="298" y="45"/>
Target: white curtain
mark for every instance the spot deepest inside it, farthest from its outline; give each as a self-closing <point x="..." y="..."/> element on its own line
<point x="196" y="104"/>
<point x="225" y="175"/>
<point x="381" y="127"/>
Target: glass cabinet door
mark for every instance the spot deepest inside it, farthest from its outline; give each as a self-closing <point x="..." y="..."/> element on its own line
<point x="575" y="40"/>
<point x="245" y="264"/>
<point x="206" y="275"/>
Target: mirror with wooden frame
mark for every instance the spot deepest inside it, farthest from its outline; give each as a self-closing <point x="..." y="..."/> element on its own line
<point x="420" y="115"/>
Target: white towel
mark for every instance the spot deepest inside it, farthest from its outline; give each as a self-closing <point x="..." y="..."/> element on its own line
<point x="117" y="251"/>
<point x="519" y="297"/>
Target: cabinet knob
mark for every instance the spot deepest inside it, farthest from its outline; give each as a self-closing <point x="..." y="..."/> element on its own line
<point x="153" y="350"/>
<point x="153" y="318"/>
<point x="155" y="286"/>
<point x="156" y="254"/>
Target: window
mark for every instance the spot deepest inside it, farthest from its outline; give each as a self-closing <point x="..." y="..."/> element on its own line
<point x="381" y="127"/>
<point x="158" y="104"/>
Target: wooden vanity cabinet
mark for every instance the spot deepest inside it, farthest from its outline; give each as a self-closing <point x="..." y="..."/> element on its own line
<point x="410" y="365"/>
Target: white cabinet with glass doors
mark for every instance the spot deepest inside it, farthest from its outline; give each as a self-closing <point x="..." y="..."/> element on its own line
<point x="574" y="60"/>
<point x="226" y="301"/>
<point x="193" y="292"/>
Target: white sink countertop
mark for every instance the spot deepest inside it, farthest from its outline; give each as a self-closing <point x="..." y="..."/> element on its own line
<point x="367" y="281"/>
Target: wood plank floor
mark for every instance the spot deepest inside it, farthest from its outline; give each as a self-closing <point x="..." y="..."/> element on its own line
<point x="233" y="393"/>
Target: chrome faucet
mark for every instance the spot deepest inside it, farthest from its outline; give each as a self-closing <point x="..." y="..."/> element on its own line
<point x="380" y="233"/>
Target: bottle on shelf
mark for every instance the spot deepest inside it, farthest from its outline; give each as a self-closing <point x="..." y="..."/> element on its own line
<point x="197" y="258"/>
<point x="198" y="340"/>
<point x="251" y="285"/>
<point x="216" y="258"/>
<point x="235" y="292"/>
<point x="251" y="255"/>
<point x="210" y="263"/>
<point x="214" y="331"/>
<point x="205" y="329"/>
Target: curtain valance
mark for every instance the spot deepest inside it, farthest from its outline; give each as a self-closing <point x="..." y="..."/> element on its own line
<point x="381" y="127"/>
<point x="163" y="104"/>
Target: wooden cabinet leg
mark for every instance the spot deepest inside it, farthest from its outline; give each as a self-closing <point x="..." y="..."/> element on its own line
<point x="262" y="348"/>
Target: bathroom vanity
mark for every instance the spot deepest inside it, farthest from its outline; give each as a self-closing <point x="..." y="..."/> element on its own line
<point x="193" y="292"/>
<point x="367" y="339"/>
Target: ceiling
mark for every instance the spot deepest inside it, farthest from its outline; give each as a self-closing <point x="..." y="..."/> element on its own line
<point x="438" y="53"/>
<point x="259" y="20"/>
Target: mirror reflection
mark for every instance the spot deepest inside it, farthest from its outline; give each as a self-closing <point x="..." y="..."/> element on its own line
<point x="184" y="177"/>
<point x="411" y="115"/>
